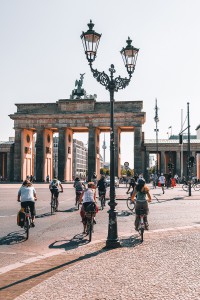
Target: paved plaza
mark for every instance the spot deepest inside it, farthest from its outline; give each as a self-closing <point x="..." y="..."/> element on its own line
<point x="165" y="266"/>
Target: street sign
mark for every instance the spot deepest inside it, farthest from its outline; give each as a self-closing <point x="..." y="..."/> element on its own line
<point x="126" y="164"/>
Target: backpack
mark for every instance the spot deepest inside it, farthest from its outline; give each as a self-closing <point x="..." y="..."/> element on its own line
<point x="21" y="217"/>
<point x="91" y="207"/>
<point x="101" y="185"/>
<point x="54" y="185"/>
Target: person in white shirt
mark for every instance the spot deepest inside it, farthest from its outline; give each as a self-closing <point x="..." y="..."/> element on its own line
<point x="162" y="182"/>
<point x="88" y="197"/>
<point x="27" y="197"/>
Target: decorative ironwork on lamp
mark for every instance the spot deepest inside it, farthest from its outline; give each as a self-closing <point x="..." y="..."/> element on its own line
<point x="91" y="40"/>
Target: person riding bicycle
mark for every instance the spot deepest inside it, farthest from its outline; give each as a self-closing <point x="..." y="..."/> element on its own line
<point x="131" y="185"/>
<point x="140" y="192"/>
<point x="78" y="185"/>
<point x="54" y="189"/>
<point x="27" y="196"/>
<point x="101" y="185"/>
<point x="88" y="197"/>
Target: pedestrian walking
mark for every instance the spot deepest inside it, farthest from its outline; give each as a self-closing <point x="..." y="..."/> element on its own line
<point x="162" y="182"/>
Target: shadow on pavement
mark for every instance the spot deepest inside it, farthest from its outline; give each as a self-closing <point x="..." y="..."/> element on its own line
<point x="12" y="238"/>
<point x="44" y="215"/>
<point x="60" y="266"/>
<point x="131" y="241"/>
<point x="69" y="210"/>
<point x="77" y="241"/>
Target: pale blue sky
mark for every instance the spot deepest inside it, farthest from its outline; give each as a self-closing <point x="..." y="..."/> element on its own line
<point x="41" y="55"/>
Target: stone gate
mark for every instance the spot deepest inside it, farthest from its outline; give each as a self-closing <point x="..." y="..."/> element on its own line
<point x="66" y="117"/>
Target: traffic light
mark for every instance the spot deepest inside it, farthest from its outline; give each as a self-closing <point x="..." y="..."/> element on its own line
<point x="180" y="139"/>
<point x="191" y="161"/>
<point x="170" y="166"/>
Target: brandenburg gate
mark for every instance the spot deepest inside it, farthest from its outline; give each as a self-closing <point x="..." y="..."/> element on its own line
<point x="65" y="117"/>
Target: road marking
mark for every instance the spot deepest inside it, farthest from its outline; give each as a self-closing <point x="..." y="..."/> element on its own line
<point x="11" y="253"/>
<point x="29" y="260"/>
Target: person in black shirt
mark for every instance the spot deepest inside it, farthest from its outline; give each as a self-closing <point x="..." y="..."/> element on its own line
<point x="131" y="185"/>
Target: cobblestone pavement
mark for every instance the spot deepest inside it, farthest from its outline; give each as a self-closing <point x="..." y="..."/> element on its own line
<point x="166" y="266"/>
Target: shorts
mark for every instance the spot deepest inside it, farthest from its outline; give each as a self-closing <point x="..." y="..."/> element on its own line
<point x="141" y="205"/>
<point x="31" y="204"/>
<point x="55" y="192"/>
<point x="102" y="192"/>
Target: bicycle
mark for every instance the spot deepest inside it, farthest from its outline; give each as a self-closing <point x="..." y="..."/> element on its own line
<point x="90" y="215"/>
<point x="27" y="221"/>
<point x="78" y="199"/>
<point x="195" y="186"/>
<point x="141" y="225"/>
<point x="54" y="203"/>
<point x="102" y="199"/>
<point x="130" y="204"/>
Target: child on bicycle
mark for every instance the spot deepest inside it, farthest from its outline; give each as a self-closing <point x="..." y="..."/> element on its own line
<point x="89" y="197"/>
<point x="140" y="193"/>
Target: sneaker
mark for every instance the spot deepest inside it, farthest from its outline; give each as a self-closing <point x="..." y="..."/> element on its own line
<point x="94" y="221"/>
<point x="32" y="224"/>
<point x="146" y="226"/>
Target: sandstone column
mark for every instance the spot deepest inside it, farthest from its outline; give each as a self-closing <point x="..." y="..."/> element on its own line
<point x="48" y="154"/>
<point x="27" y="153"/>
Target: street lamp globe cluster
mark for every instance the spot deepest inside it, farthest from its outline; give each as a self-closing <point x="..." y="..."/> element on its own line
<point x="90" y="40"/>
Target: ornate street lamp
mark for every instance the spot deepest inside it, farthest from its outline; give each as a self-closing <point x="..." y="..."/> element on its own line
<point x="129" y="54"/>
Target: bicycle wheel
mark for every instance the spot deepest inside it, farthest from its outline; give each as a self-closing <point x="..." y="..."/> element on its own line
<point x="78" y="201"/>
<point x="102" y="202"/>
<point x="89" y="228"/>
<point x="185" y="187"/>
<point x="196" y="187"/>
<point x="141" y="232"/>
<point x="130" y="204"/>
<point x="53" y="205"/>
<point x="27" y="227"/>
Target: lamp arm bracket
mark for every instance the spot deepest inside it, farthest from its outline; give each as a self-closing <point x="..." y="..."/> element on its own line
<point x="101" y="77"/>
<point x="121" y="83"/>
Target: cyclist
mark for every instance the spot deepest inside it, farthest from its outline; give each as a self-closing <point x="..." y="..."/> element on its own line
<point x="140" y="192"/>
<point x="162" y="182"/>
<point x="101" y="185"/>
<point x="78" y="185"/>
<point x="27" y="196"/>
<point x="54" y="189"/>
<point x="89" y="196"/>
<point x="131" y="185"/>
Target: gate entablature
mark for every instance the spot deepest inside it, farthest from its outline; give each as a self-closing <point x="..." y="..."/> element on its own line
<point x="74" y="115"/>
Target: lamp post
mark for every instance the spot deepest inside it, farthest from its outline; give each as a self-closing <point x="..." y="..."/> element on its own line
<point x="156" y="119"/>
<point x="129" y="54"/>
